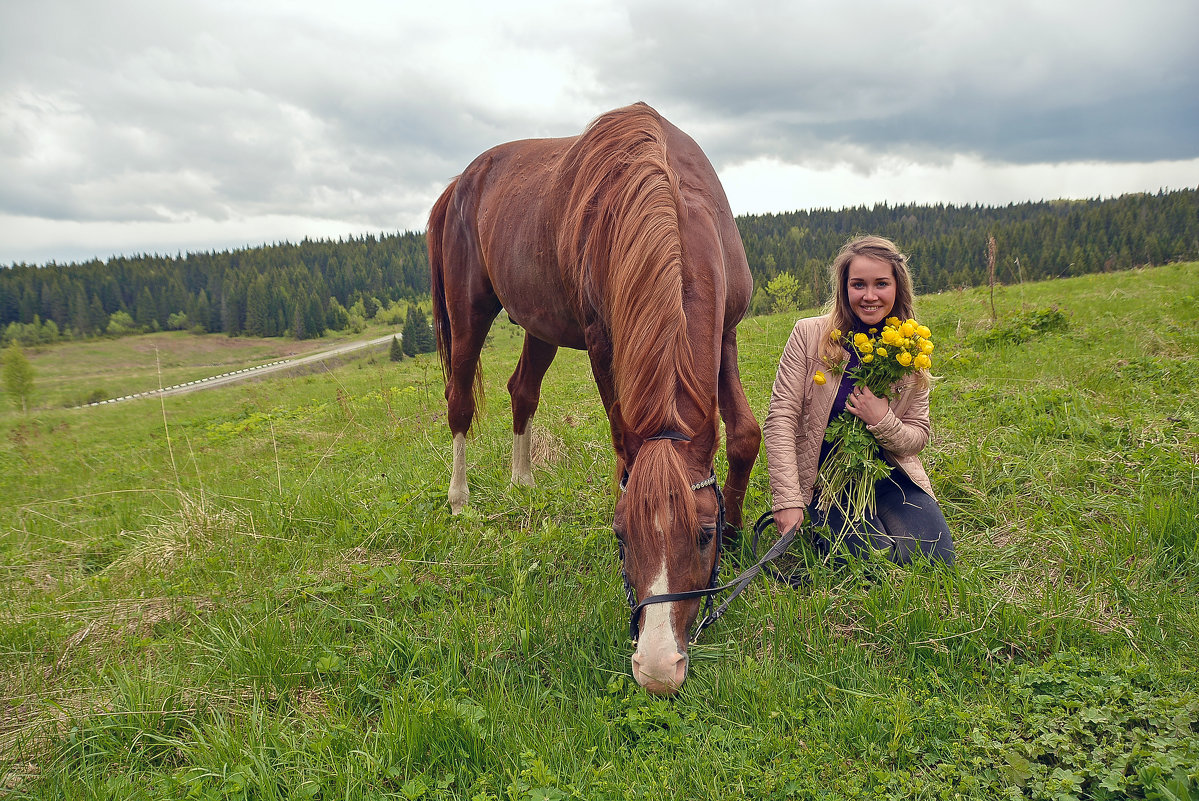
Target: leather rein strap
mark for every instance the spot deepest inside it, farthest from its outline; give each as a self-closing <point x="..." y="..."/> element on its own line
<point x="737" y="585"/>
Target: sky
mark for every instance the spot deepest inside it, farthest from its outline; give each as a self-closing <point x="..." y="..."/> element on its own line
<point x="131" y="126"/>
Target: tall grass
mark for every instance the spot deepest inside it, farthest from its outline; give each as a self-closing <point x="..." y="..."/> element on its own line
<point x="285" y="608"/>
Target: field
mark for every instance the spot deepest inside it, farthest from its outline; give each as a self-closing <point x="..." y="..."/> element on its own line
<point x="257" y="591"/>
<point x="74" y="373"/>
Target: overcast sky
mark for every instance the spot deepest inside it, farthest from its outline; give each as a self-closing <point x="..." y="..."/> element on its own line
<point x="165" y="127"/>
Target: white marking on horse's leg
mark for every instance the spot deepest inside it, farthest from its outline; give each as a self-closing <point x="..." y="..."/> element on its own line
<point x="522" y="467"/>
<point x="459" y="492"/>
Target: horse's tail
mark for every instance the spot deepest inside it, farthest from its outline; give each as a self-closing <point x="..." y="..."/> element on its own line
<point x="440" y="228"/>
<point x="434" y="236"/>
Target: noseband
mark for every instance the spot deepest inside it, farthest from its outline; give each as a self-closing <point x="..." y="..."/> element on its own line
<point x="711" y="615"/>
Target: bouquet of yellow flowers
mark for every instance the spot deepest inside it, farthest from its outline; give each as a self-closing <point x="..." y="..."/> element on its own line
<point x="847" y="476"/>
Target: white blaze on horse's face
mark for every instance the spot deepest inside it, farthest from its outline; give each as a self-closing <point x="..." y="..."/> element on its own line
<point x="660" y="662"/>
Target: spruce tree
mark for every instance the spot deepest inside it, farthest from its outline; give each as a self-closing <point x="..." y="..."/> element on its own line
<point x="418" y="336"/>
<point x="396" y="353"/>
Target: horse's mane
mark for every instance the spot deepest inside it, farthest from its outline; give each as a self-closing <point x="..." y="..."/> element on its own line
<point x="620" y="230"/>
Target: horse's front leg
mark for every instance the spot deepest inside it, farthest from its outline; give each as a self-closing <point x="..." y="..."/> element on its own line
<point x="743" y="437"/>
<point x="525" y="388"/>
<point x="599" y="351"/>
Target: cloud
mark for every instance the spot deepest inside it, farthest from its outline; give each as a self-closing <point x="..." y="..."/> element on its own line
<point x="768" y="185"/>
<point x="1015" y="82"/>
<point x="188" y="119"/>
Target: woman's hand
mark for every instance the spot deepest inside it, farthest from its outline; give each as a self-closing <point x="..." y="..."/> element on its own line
<point x="866" y="405"/>
<point x="787" y="519"/>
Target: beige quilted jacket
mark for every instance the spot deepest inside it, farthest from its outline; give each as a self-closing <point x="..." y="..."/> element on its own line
<point x="799" y="411"/>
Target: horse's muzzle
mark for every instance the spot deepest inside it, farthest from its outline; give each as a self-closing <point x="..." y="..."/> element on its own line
<point x="663" y="675"/>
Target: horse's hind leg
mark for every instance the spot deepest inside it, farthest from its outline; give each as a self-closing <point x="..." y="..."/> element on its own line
<point x="525" y="388"/>
<point x="461" y="382"/>
<point x="742" y="434"/>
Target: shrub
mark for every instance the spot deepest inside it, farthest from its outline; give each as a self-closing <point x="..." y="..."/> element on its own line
<point x="120" y="324"/>
<point x="1026" y="325"/>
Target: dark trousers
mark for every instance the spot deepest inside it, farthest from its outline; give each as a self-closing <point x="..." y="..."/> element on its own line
<point x="907" y="523"/>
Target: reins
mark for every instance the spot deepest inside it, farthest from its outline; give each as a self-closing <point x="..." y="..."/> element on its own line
<point x="712" y="613"/>
<point x="737" y="585"/>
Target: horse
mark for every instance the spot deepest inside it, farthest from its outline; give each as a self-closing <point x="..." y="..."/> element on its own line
<point x="618" y="241"/>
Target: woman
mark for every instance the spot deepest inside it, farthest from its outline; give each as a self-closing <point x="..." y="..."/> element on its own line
<point x="872" y="283"/>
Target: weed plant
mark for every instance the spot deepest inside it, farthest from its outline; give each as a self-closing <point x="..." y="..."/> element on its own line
<point x="257" y="591"/>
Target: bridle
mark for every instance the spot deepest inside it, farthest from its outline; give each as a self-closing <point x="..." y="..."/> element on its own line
<point x="709" y="615"/>
<point x="712" y="613"/>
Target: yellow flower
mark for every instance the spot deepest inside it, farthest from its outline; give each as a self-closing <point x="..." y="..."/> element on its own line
<point x="819" y="378"/>
<point x="926" y="347"/>
<point x="868" y="348"/>
<point x="908" y="328"/>
<point x="893" y="322"/>
<point x="874" y="330"/>
<point x="881" y="351"/>
<point x="860" y="340"/>
<point x="835" y="335"/>
<point x="868" y="358"/>
<point x="904" y="358"/>
<point x="923" y="362"/>
<point x="923" y="331"/>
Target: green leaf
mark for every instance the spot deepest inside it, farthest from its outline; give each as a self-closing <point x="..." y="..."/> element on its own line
<point x="330" y="663"/>
<point x="1018" y="770"/>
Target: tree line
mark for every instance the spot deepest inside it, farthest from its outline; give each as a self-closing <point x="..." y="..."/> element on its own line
<point x="299" y="290"/>
<point x="302" y="290"/>
<point x="947" y="244"/>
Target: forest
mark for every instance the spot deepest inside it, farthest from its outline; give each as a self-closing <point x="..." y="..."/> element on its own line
<point x="301" y="290"/>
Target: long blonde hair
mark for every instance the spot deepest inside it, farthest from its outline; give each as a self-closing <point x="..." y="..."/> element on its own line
<point x="840" y="316"/>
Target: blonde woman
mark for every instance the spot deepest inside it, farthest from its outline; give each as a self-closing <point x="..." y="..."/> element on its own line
<point x="872" y="283"/>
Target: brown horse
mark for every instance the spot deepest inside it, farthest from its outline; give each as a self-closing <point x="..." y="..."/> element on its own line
<point x="619" y="241"/>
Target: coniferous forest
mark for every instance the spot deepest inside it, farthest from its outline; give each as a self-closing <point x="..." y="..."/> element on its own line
<point x="302" y="290"/>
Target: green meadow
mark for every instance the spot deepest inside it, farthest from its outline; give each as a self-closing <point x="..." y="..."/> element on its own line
<point x="78" y="372"/>
<point x="257" y="591"/>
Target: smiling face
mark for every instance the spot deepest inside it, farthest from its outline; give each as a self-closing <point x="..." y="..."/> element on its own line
<point x="870" y="287"/>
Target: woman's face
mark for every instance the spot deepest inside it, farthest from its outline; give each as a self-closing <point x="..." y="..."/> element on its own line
<point x="871" y="289"/>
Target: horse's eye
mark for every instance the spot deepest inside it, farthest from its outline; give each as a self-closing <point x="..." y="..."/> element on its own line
<point x="706" y="533"/>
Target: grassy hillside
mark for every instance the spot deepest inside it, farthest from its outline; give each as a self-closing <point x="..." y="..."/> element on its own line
<point x="258" y="592"/>
<point x="72" y="373"/>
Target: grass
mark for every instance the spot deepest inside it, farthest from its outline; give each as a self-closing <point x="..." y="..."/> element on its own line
<point x="257" y="591"/>
<point x="71" y="373"/>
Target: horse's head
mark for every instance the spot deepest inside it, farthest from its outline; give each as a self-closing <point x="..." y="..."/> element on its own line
<point x="667" y="520"/>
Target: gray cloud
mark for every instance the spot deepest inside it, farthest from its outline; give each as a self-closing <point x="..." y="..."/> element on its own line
<point x="137" y="113"/>
<point x="1015" y="82"/>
